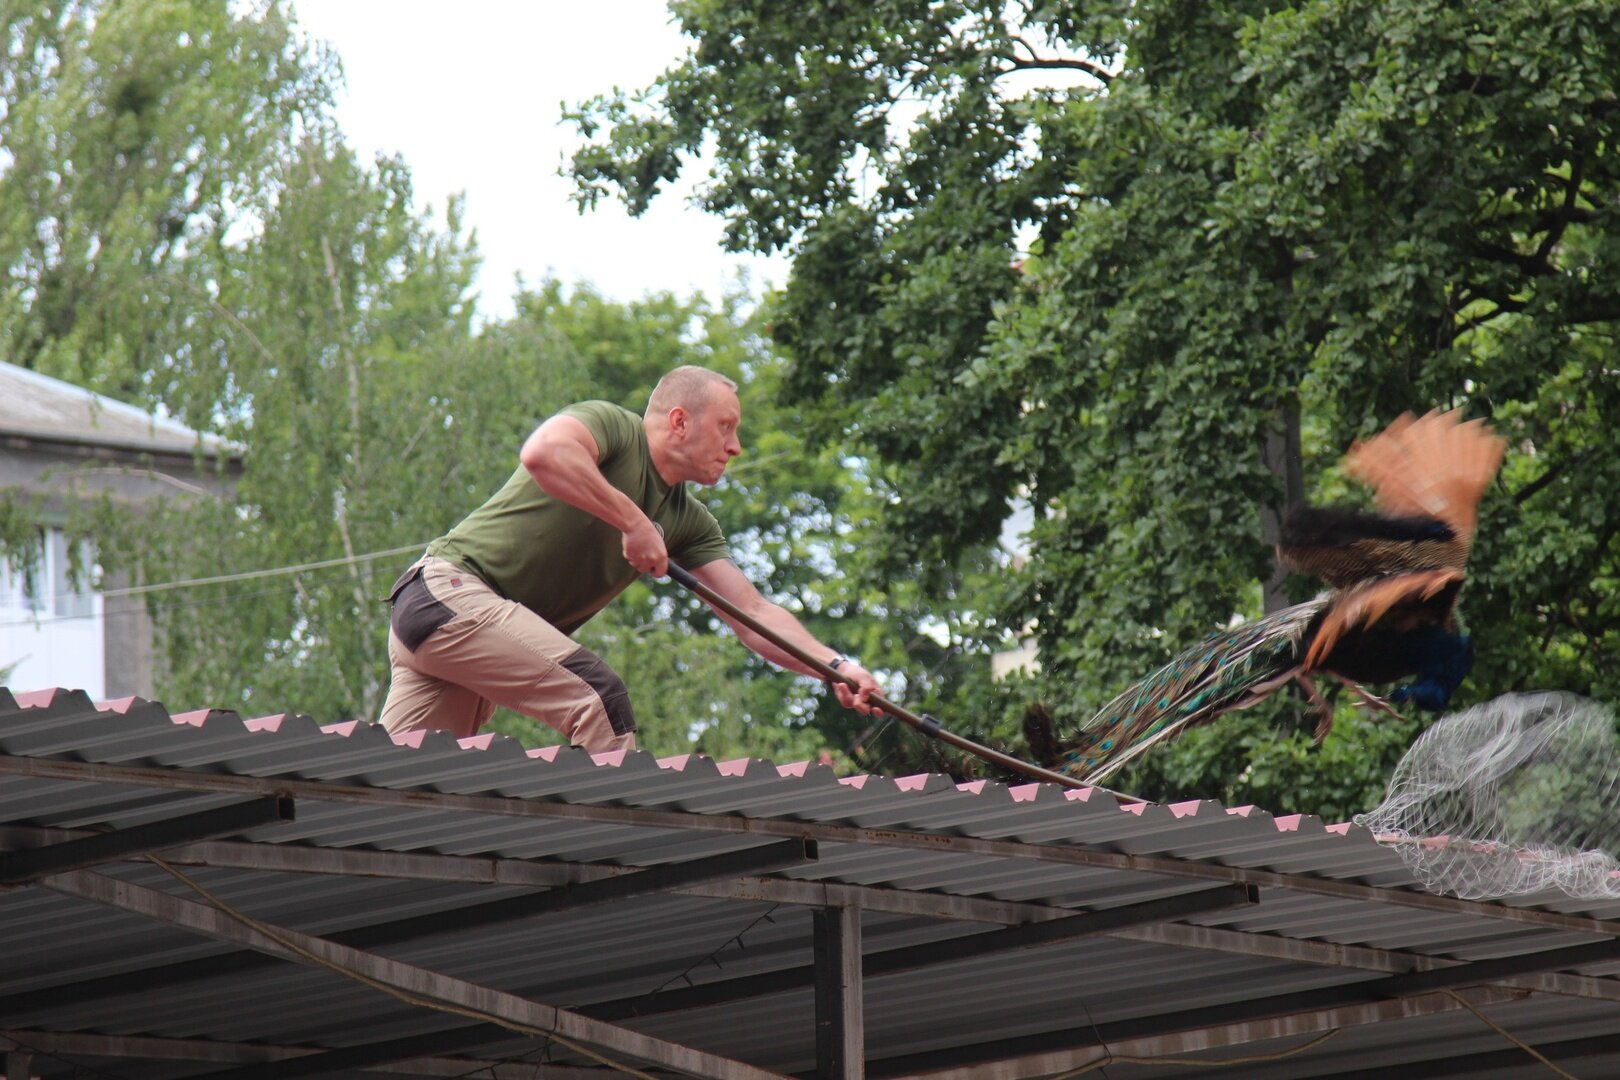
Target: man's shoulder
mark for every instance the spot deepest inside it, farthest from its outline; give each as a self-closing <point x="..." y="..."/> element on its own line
<point x="605" y="410"/>
<point x="613" y="426"/>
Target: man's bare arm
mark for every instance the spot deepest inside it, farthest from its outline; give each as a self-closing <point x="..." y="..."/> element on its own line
<point x="724" y="578"/>
<point x="561" y="456"/>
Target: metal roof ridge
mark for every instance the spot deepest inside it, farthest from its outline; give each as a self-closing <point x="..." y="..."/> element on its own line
<point x="691" y="765"/>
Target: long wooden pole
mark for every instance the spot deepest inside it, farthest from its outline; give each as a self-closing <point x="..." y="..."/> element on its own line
<point x="924" y="723"/>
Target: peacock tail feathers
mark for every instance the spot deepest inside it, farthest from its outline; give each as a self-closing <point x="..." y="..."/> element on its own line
<point x="1234" y="668"/>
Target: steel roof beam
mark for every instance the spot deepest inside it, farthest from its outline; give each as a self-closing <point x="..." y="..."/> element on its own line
<point x="415" y="984"/>
<point x="493" y="870"/>
<point x="655" y="879"/>
<point x="29" y="864"/>
<point x="826" y="832"/>
<point x="888" y="962"/>
<point x="840" y="1013"/>
<point x="1368" y="991"/>
<point x="913" y="957"/>
<point x="1174" y="1047"/>
<point x="1495" y="1061"/>
<point x="553" y="873"/>
<point x="71" y="1044"/>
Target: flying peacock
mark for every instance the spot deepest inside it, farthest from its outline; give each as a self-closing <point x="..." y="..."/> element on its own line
<point x="1389" y="614"/>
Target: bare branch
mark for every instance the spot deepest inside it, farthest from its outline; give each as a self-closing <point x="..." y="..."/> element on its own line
<point x="1053" y="63"/>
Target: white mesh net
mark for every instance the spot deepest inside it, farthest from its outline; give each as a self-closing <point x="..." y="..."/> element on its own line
<point x="1518" y="795"/>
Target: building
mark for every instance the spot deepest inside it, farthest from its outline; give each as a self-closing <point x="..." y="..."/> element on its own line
<point x="60" y="446"/>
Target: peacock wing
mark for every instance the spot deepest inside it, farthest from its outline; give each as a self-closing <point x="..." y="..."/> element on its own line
<point x="1436" y="465"/>
<point x="1420" y="596"/>
<point x="1343" y="546"/>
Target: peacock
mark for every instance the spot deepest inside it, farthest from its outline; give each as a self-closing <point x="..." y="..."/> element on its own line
<point x="1388" y="615"/>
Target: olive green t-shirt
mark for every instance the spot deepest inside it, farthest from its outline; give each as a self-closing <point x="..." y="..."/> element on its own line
<point x="561" y="562"/>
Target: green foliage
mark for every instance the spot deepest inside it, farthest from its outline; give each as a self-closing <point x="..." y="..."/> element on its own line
<point x="183" y="225"/>
<point x="1239" y="225"/>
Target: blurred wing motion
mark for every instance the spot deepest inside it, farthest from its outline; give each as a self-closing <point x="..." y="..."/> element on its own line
<point x="1395" y="576"/>
<point x="1428" y="475"/>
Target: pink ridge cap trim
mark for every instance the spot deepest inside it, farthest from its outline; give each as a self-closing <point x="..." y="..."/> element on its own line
<point x="856" y="782"/>
<point x="195" y="717"/>
<point x="413" y="739"/>
<point x="793" y="768"/>
<point x="120" y="705"/>
<point x="265" y="723"/>
<point x="482" y="741"/>
<point x="676" y="762"/>
<point x="1240" y="811"/>
<point x="346" y="727"/>
<point x="734" y="767"/>
<point x="36" y="699"/>
<point x="1342" y="828"/>
<point x="1289" y="823"/>
<point x="972" y="787"/>
<point x="913" y="783"/>
<point x="545" y="753"/>
<point x="1024" y="792"/>
<point x="1134" y="808"/>
<point x="610" y="757"/>
<point x="1080" y="794"/>
<point x="1186" y="809"/>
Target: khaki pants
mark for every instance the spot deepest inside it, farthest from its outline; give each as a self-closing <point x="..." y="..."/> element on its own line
<point x="457" y="649"/>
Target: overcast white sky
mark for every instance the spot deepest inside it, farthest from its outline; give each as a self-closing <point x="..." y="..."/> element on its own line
<point x="471" y="94"/>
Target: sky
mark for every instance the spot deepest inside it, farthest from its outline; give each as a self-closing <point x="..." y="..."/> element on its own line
<point x="471" y="94"/>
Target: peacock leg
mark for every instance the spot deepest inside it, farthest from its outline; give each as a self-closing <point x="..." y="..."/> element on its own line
<point x="1372" y="701"/>
<point x="1319" y="705"/>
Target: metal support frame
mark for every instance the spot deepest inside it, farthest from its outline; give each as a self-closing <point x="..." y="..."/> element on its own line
<point x="1175" y="1044"/>
<point x="30" y="864"/>
<point x="652" y="880"/>
<point x="492" y="870"/>
<point x="840" y="1020"/>
<point x="737" y="824"/>
<point x="1373" y="991"/>
<point x="886" y="963"/>
<point x="910" y="958"/>
<point x="418" y="983"/>
<point x="78" y="1044"/>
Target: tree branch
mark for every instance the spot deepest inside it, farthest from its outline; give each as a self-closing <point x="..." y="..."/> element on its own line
<point x="1051" y="63"/>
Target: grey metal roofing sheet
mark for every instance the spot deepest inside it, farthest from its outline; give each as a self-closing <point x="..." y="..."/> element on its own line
<point x="37" y="405"/>
<point x="394" y="829"/>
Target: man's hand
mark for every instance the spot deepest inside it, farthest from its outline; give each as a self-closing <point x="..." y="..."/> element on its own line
<point x="644" y="548"/>
<point x="857" y="699"/>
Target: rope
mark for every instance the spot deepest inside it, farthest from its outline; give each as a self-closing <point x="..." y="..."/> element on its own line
<point x="1509" y="1036"/>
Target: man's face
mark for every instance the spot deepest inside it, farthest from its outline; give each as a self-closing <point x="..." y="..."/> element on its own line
<point x="711" y="440"/>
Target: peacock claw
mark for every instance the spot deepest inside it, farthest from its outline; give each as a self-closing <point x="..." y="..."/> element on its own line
<point x="1367" y="699"/>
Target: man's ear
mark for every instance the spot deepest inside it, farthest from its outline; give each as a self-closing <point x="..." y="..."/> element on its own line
<point x="677" y="420"/>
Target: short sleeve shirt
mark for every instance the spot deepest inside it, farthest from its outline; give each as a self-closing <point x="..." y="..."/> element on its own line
<point x="562" y="562"/>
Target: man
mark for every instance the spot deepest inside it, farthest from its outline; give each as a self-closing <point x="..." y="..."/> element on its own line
<point x="599" y="497"/>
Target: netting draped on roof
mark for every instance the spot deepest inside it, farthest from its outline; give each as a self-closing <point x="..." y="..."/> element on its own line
<point x="1518" y="795"/>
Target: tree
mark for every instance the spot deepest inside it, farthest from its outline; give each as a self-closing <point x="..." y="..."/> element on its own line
<point x="1156" y="300"/>
<point x="133" y="137"/>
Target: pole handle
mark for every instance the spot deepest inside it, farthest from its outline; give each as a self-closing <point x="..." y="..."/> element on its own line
<point x="927" y="725"/>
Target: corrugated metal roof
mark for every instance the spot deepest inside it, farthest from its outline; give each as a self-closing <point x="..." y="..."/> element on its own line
<point x="99" y="972"/>
<point x="38" y="406"/>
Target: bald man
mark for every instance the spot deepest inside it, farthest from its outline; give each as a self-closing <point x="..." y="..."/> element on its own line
<point x="600" y="495"/>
